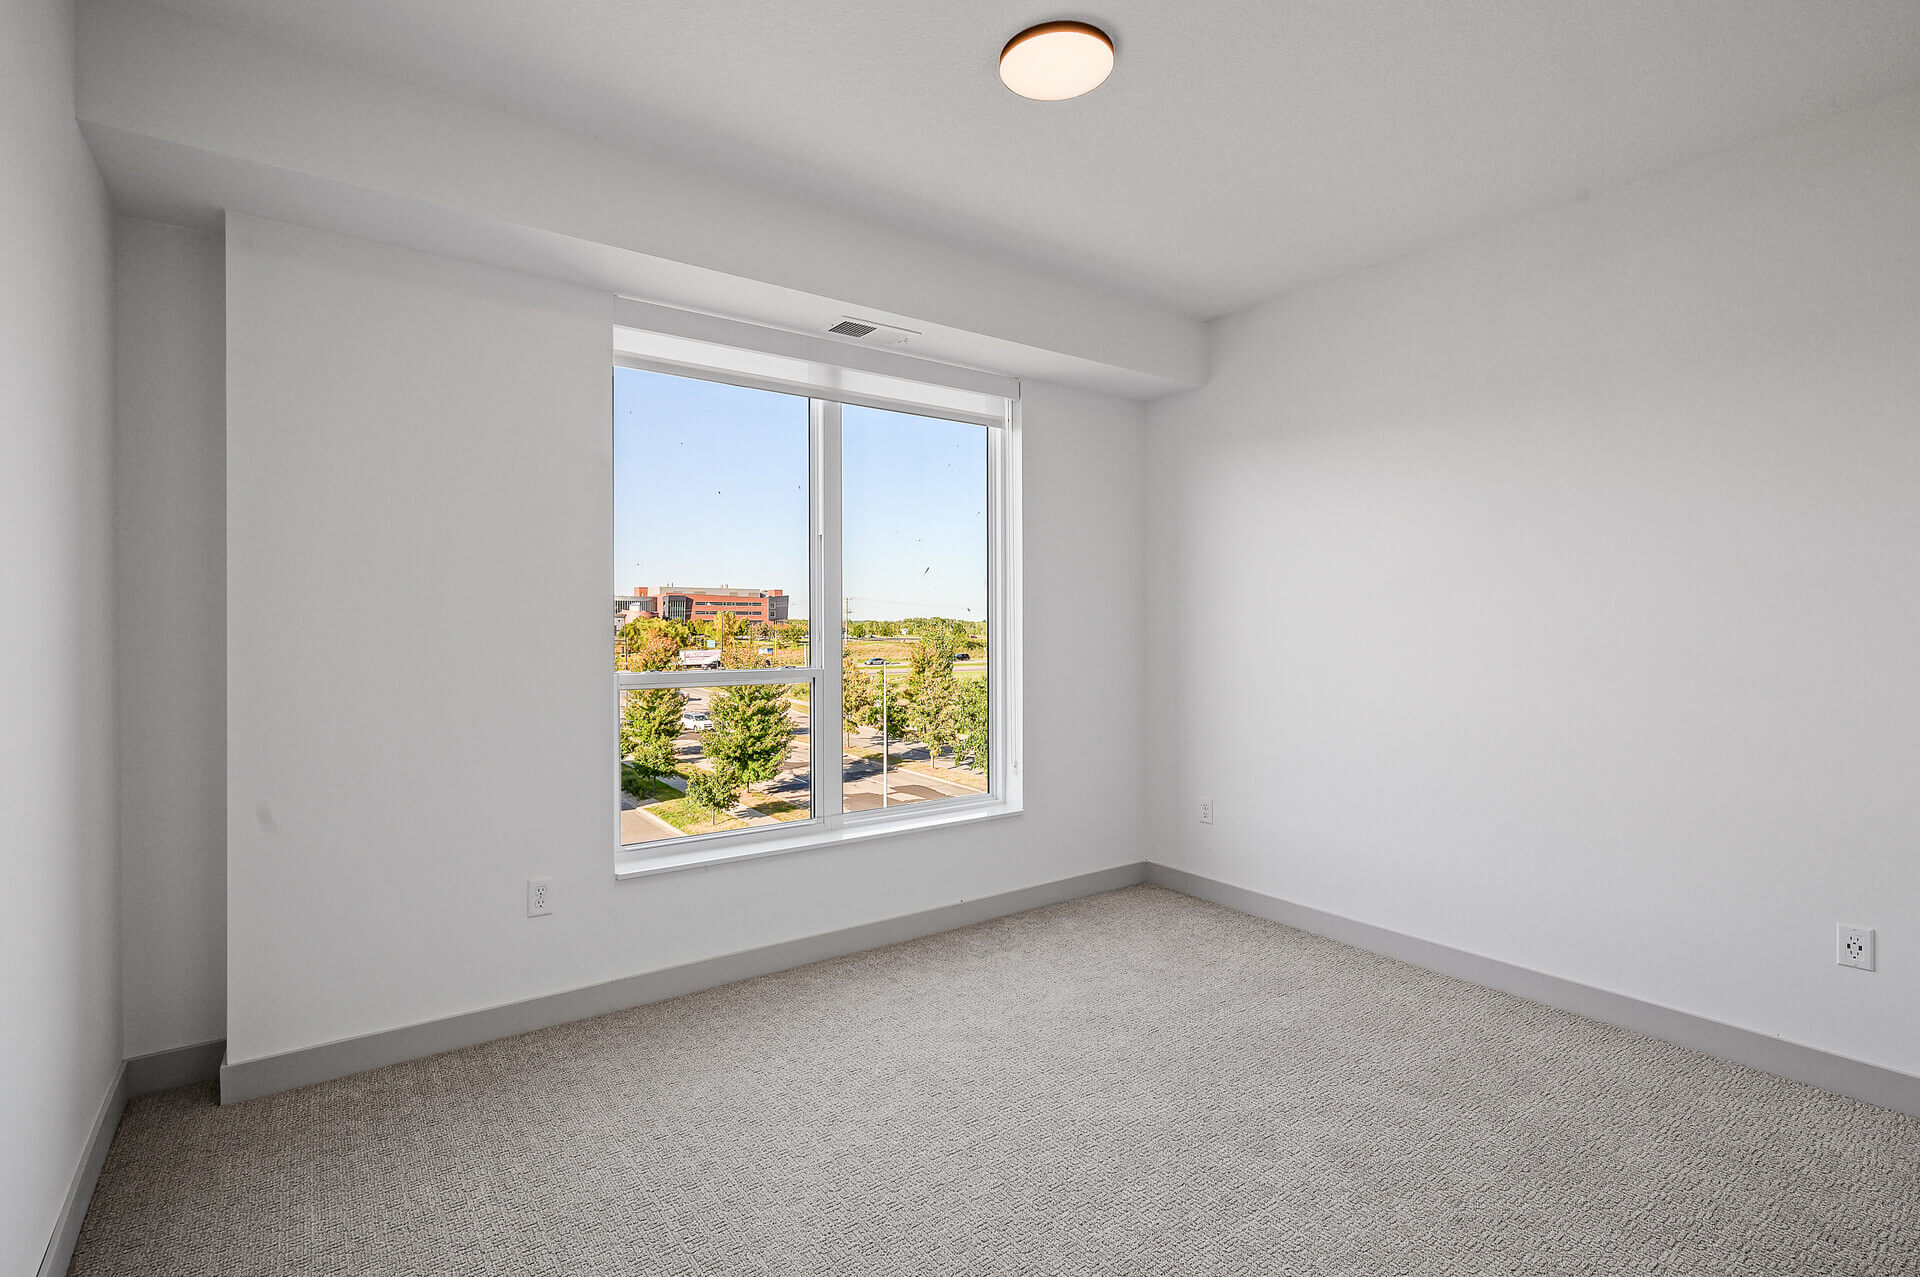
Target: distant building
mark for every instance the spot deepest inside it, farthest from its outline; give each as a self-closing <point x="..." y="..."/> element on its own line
<point x="703" y="603"/>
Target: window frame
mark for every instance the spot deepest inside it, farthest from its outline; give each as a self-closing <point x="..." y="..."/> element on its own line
<point x="827" y="388"/>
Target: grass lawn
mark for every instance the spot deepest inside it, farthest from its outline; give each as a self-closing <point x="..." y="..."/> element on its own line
<point x="674" y="807"/>
<point x="691" y="818"/>
<point x="900" y="652"/>
<point x="779" y="809"/>
<point x="649" y="788"/>
<point x="965" y="777"/>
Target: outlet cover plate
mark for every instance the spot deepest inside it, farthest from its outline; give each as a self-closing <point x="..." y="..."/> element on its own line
<point x="1206" y="811"/>
<point x="1853" y="946"/>
<point x="539" y="897"/>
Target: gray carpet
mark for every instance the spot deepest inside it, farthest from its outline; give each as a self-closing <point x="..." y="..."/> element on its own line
<point x="1135" y="1083"/>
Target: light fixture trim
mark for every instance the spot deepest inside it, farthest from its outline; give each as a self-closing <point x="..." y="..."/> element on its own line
<point x="1037" y="64"/>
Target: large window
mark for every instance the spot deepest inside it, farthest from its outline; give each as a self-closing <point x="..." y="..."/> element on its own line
<point x="808" y="591"/>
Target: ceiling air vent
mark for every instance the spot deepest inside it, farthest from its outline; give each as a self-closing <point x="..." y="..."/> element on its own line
<point x="868" y="333"/>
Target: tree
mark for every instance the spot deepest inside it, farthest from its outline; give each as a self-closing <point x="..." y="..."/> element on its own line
<point x="751" y="732"/>
<point x="860" y="699"/>
<point x="891" y="715"/>
<point x="932" y="698"/>
<point x="649" y="721"/>
<point x="737" y="651"/>
<point x="679" y="632"/>
<point x="859" y="695"/>
<point x="648" y="644"/>
<point x="716" y="788"/>
<point x="725" y="627"/>
<point x="970" y="724"/>
<point x="652" y="643"/>
<point x="937" y="632"/>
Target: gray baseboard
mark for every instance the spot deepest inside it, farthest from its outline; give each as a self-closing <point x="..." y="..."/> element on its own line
<point x="73" y="1211"/>
<point x="181" y="1066"/>
<point x="1886" y="1087"/>
<point x="250" y="1079"/>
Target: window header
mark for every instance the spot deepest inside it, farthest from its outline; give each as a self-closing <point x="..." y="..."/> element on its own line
<point x="716" y="349"/>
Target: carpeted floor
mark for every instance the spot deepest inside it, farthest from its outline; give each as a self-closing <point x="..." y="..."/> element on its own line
<point x="1134" y="1083"/>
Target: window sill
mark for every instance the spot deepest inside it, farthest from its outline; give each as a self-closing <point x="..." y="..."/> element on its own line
<point x="836" y="831"/>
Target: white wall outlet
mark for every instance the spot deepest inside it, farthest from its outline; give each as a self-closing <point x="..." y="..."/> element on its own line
<point x="539" y="897"/>
<point x="1206" y="811"/>
<point x="1853" y="946"/>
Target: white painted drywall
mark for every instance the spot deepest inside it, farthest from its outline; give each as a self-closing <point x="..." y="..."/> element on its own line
<point x="186" y="115"/>
<point x="170" y="631"/>
<point x="419" y="449"/>
<point x="59" y="1002"/>
<point x="1555" y="594"/>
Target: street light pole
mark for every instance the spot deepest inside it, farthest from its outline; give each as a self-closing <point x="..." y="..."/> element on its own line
<point x="886" y="741"/>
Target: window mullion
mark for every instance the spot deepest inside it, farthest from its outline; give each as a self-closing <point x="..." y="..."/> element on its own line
<point x="828" y="639"/>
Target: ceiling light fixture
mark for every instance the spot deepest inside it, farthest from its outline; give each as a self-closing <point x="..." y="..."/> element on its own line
<point x="1056" y="60"/>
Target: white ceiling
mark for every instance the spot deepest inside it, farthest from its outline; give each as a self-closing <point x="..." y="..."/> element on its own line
<point x="1240" y="148"/>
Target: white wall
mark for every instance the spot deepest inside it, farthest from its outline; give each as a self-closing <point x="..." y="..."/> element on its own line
<point x="411" y="438"/>
<point x="1555" y="594"/>
<point x="59" y="1009"/>
<point x="169" y="627"/>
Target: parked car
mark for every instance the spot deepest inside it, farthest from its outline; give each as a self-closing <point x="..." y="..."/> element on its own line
<point x="698" y="721"/>
<point x="962" y="656"/>
<point x="876" y="660"/>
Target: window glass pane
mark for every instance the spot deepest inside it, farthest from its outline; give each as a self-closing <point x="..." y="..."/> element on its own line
<point x="699" y="760"/>
<point x="914" y="563"/>
<point x="710" y="524"/>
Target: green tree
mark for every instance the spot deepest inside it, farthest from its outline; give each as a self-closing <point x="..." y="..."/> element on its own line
<point x="891" y="716"/>
<point x="947" y="636"/>
<point x="680" y="633"/>
<point x="649" y="721"/>
<point x="716" y="788"/>
<point x="970" y="724"/>
<point x="859" y="696"/>
<point x="933" y="701"/>
<point x="725" y="627"/>
<point x="628" y="641"/>
<point x="647" y="644"/>
<point x="737" y="651"/>
<point x="751" y="732"/>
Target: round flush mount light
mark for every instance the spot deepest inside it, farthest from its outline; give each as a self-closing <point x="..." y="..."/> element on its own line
<point x="1056" y="60"/>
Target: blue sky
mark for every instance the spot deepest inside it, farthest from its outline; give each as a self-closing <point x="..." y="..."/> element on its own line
<point x="710" y="488"/>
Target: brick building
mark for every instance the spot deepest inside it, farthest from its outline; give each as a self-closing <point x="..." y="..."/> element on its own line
<point x="703" y="603"/>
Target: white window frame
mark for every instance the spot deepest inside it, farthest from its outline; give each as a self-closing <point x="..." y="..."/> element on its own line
<point x="804" y="366"/>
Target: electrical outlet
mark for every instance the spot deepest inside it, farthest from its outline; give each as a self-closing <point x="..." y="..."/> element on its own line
<point x="539" y="897"/>
<point x="1206" y="811"/>
<point x="1853" y="946"/>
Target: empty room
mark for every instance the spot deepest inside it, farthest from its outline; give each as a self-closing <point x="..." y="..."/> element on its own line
<point x="1362" y="560"/>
